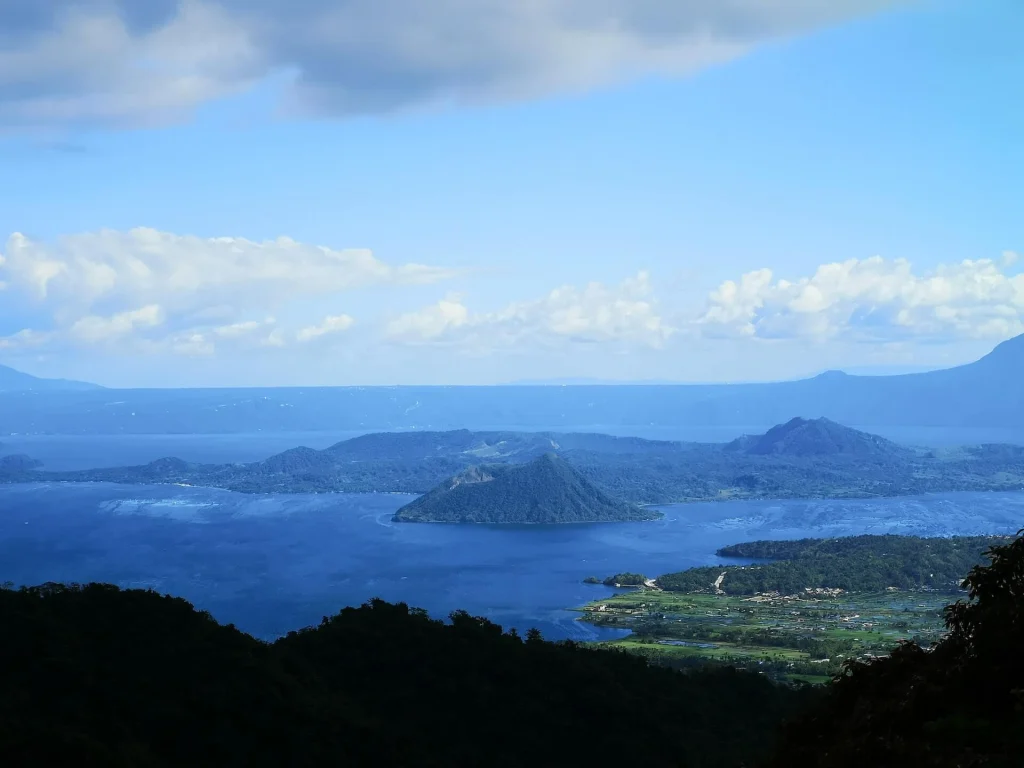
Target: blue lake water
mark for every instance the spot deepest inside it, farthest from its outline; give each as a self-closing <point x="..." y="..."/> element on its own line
<point x="271" y="563"/>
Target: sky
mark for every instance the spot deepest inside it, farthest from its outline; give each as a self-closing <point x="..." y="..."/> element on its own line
<point x="358" y="192"/>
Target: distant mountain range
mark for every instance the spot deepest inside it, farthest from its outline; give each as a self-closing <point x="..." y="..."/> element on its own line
<point x="983" y="394"/>
<point x="799" y="459"/>
<point x="16" y="381"/>
<point x="545" y="490"/>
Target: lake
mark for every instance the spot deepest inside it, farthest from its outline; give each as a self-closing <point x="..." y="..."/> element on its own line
<point x="272" y="563"/>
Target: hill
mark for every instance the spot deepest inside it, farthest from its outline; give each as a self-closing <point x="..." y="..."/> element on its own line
<point x="12" y="380"/>
<point x="18" y="462"/>
<point x="97" y="676"/>
<point x="869" y="563"/>
<point x="816" y="437"/>
<point x="545" y="490"/>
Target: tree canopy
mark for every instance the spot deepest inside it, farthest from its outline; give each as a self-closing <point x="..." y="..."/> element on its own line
<point x="958" y="703"/>
<point x="95" y="675"/>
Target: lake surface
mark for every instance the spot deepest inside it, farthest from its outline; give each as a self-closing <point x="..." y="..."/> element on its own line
<point x="272" y="563"/>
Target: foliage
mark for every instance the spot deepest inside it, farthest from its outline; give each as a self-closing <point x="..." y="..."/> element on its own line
<point x="959" y="703"/>
<point x="97" y="676"/>
<point x="625" y="580"/>
<point x="855" y="563"/>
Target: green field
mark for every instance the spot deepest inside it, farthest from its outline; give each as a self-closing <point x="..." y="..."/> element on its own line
<point x="800" y="637"/>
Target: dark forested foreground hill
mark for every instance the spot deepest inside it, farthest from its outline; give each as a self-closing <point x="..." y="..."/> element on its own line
<point x="96" y="676"/>
<point x="802" y="458"/>
<point x="959" y="704"/>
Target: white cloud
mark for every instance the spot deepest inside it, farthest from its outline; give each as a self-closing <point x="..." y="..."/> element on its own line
<point x="93" y="284"/>
<point x="192" y="345"/>
<point x="94" y="328"/>
<point x="126" y="62"/>
<point x="184" y="272"/>
<point x="26" y="337"/>
<point x="331" y="324"/>
<point x="242" y="329"/>
<point x="594" y="314"/>
<point x="430" y="322"/>
<point x="872" y="299"/>
<point x="274" y="339"/>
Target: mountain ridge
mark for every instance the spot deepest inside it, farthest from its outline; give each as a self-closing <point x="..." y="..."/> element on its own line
<point x="981" y="394"/>
<point x="13" y="380"/>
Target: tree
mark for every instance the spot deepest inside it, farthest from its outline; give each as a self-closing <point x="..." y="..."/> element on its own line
<point x="958" y="703"/>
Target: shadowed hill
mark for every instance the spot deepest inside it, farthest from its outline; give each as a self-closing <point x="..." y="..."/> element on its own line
<point x="959" y="703"/>
<point x="18" y="462"/>
<point x="546" y="490"/>
<point x="96" y="676"/>
<point x="816" y="437"/>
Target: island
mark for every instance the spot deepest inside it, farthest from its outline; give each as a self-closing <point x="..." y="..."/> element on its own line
<point x="802" y="458"/>
<point x="543" y="491"/>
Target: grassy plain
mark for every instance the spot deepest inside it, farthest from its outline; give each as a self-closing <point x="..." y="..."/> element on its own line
<point x="797" y="637"/>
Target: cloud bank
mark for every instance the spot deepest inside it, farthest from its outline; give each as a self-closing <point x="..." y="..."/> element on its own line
<point x="596" y="314"/>
<point x="132" y="63"/>
<point x="108" y="286"/>
<point x="162" y="293"/>
<point x="872" y="300"/>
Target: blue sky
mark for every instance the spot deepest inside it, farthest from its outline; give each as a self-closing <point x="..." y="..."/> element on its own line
<point x="378" y="193"/>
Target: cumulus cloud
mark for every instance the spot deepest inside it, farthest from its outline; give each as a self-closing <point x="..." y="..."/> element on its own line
<point x="872" y="299"/>
<point x="94" y="328"/>
<point x="110" y="284"/>
<point x="331" y="324"/>
<point x="127" y="62"/>
<point x="274" y="339"/>
<point x="26" y="337"/>
<point x="593" y="314"/>
<point x="185" y="272"/>
<point x="192" y="345"/>
<point x="431" y="322"/>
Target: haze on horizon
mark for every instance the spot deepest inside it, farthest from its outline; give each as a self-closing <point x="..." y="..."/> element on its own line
<point x="220" y="193"/>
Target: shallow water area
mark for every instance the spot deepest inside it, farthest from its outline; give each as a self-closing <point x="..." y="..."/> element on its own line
<point x="271" y="563"/>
